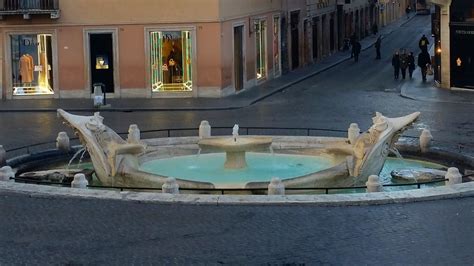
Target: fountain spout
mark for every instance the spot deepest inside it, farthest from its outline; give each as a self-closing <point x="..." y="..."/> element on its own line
<point x="235" y="132"/>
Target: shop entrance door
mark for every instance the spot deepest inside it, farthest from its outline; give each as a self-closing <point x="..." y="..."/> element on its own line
<point x="295" y="44"/>
<point x="102" y="60"/>
<point x="238" y="58"/>
<point x="315" y="38"/>
<point x="462" y="57"/>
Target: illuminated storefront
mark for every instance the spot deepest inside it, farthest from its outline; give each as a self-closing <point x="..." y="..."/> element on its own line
<point x="462" y="43"/>
<point x="261" y="48"/>
<point x="31" y="64"/>
<point x="171" y="55"/>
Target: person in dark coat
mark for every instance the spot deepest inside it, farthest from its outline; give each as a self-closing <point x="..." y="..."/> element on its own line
<point x="423" y="43"/>
<point x="353" y="40"/>
<point x="375" y="29"/>
<point x="424" y="61"/>
<point x="403" y="63"/>
<point x="356" y="50"/>
<point x="396" y="65"/>
<point x="411" y="64"/>
<point x="378" y="45"/>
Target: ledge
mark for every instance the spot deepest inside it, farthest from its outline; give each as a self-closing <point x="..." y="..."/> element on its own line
<point x="438" y="193"/>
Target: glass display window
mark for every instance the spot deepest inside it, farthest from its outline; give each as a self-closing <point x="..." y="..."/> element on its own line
<point x="261" y="44"/>
<point x="31" y="56"/>
<point x="171" y="61"/>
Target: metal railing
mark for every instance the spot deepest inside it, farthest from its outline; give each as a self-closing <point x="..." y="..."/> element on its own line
<point x="216" y="131"/>
<point x="222" y="191"/>
<point x="17" y="5"/>
<point x="186" y="132"/>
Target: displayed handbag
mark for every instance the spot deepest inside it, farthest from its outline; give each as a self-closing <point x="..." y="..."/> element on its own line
<point x="429" y="71"/>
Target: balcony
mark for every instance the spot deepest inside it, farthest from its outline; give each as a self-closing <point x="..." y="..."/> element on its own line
<point x="26" y="8"/>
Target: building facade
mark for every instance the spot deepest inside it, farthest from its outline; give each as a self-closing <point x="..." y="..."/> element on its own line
<point x="209" y="48"/>
<point x="453" y="29"/>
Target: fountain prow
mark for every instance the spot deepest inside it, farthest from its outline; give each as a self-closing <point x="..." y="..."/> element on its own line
<point x="372" y="147"/>
<point x="110" y="154"/>
<point x="116" y="162"/>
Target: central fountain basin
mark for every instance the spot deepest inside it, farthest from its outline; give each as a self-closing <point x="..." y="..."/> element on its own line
<point x="260" y="167"/>
<point x="235" y="148"/>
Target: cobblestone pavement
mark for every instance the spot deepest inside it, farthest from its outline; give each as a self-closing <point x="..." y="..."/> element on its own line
<point x="38" y="230"/>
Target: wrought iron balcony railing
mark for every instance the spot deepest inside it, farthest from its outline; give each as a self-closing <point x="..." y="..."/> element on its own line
<point x="29" y="7"/>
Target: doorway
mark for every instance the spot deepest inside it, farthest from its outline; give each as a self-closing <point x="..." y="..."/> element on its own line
<point x="101" y="60"/>
<point x="315" y="38"/>
<point x="462" y="56"/>
<point x="238" y="58"/>
<point x="295" y="44"/>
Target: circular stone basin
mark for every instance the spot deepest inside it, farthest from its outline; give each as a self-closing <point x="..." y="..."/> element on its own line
<point x="260" y="167"/>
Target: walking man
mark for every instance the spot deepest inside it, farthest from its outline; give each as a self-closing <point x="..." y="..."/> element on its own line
<point x="423" y="43"/>
<point x="356" y="50"/>
<point x="411" y="64"/>
<point x="353" y="40"/>
<point x="424" y="61"/>
<point x="403" y="63"/>
<point x="378" y="45"/>
<point x="396" y="65"/>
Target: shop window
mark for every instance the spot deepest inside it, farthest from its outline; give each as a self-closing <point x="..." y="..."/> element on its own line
<point x="261" y="44"/>
<point x="170" y="61"/>
<point x="32" y="64"/>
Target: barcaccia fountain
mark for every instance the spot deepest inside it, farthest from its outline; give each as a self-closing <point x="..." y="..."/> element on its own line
<point x="143" y="163"/>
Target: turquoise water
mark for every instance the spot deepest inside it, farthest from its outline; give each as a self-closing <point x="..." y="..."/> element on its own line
<point x="260" y="167"/>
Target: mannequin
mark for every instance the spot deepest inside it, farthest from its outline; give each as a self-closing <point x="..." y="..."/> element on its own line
<point x="26" y="68"/>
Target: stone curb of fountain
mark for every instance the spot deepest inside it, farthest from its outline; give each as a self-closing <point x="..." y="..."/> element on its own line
<point x="407" y="196"/>
<point x="390" y="29"/>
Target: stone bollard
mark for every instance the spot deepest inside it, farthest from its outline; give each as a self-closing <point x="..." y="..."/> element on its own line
<point x="6" y="173"/>
<point x="3" y="156"/>
<point x="276" y="187"/>
<point x="425" y="140"/>
<point x="170" y="186"/>
<point x="453" y="176"/>
<point x="204" y="130"/>
<point x="62" y="142"/>
<point x="353" y="133"/>
<point x="373" y="184"/>
<point x="79" y="181"/>
<point x="133" y="134"/>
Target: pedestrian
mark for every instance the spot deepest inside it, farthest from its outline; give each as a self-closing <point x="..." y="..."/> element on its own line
<point x="353" y="40"/>
<point x="375" y="29"/>
<point x="396" y="64"/>
<point x="424" y="61"/>
<point x="423" y="43"/>
<point x="411" y="64"/>
<point x="403" y="63"/>
<point x="356" y="50"/>
<point x="407" y="11"/>
<point x="378" y="44"/>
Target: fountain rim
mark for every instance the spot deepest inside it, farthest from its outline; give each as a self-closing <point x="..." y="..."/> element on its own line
<point x="427" y="194"/>
<point x="445" y="192"/>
